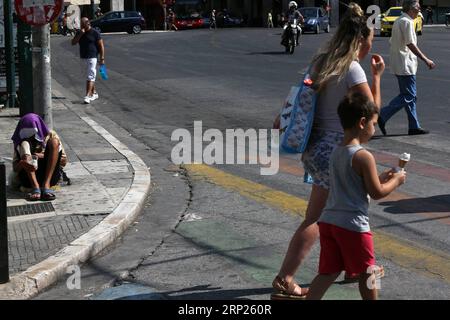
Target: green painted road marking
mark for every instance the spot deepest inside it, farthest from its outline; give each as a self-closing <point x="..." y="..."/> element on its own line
<point x="252" y="257"/>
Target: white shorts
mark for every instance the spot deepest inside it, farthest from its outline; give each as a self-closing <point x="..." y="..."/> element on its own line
<point x="91" y="65"/>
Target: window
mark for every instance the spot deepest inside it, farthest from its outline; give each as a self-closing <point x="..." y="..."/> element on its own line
<point x="395" y="13"/>
<point x="131" y="14"/>
<point x="115" y="15"/>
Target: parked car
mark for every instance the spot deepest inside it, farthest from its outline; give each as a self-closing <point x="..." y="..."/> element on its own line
<point x="189" y="22"/>
<point x="226" y="19"/>
<point x="316" y="19"/>
<point x="206" y="21"/>
<point x="388" y="18"/>
<point x="120" y="21"/>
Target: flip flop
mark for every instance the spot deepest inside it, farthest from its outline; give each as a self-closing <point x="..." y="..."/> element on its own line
<point x="34" y="195"/>
<point x="48" y="195"/>
<point x="284" y="296"/>
<point x="287" y="290"/>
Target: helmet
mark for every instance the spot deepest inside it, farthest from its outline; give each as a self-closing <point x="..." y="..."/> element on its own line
<point x="293" y="4"/>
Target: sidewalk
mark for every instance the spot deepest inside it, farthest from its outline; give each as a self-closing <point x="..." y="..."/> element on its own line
<point x="109" y="184"/>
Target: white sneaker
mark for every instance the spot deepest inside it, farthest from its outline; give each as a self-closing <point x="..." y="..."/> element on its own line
<point x="94" y="96"/>
<point x="87" y="100"/>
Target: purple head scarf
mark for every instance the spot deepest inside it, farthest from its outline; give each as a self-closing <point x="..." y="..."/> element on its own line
<point x="30" y="125"/>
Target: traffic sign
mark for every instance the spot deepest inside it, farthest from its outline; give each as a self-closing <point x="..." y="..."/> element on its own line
<point x="38" y="12"/>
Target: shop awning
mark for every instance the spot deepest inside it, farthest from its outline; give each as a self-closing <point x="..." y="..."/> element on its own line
<point x="80" y="2"/>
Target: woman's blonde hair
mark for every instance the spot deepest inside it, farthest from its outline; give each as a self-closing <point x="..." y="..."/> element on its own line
<point x="335" y="58"/>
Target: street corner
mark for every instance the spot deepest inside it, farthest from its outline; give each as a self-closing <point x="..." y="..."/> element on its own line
<point x="103" y="198"/>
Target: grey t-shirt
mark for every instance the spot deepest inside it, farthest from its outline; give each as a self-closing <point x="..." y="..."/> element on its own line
<point x="348" y="202"/>
<point x="326" y="117"/>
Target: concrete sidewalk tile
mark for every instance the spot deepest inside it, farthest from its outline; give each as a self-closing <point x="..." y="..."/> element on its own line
<point x="76" y="169"/>
<point x="105" y="167"/>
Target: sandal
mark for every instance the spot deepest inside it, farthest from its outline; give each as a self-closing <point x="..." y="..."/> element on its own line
<point x="34" y="195"/>
<point x="354" y="277"/>
<point x="48" y="195"/>
<point x="287" y="290"/>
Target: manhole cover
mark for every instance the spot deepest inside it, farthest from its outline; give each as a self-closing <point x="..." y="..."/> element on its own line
<point x="27" y="209"/>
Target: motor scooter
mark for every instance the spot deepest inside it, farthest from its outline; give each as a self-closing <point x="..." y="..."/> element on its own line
<point x="289" y="40"/>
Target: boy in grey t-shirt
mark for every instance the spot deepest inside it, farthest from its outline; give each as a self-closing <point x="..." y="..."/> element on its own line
<point x="345" y="238"/>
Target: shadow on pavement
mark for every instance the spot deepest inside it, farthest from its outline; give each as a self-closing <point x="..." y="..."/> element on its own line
<point x="215" y="294"/>
<point x="377" y="137"/>
<point x="434" y="204"/>
<point x="281" y="52"/>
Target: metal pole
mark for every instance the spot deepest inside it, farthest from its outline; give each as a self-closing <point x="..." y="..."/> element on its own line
<point x="42" y="77"/>
<point x="4" y="269"/>
<point x="92" y="9"/>
<point x="437" y="12"/>
<point x="9" y="52"/>
<point x="165" y="16"/>
<point x="24" y="46"/>
<point x="134" y="5"/>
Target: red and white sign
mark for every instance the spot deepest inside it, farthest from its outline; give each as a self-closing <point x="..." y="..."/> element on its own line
<point x="38" y="12"/>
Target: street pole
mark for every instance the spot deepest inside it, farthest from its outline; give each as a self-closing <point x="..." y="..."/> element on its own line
<point x="24" y="51"/>
<point x="92" y="9"/>
<point x="165" y="16"/>
<point x="42" y="78"/>
<point x="9" y="52"/>
<point x="4" y="269"/>
<point x="134" y="5"/>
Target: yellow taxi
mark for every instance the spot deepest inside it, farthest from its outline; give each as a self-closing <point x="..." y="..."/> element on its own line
<point x="388" y="18"/>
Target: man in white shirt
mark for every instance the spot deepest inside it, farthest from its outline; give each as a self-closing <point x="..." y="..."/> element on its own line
<point x="403" y="61"/>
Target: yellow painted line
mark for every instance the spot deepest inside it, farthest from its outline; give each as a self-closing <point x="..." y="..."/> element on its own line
<point x="430" y="262"/>
<point x="258" y="192"/>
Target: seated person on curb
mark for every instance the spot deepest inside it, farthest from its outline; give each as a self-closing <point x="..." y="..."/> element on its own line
<point x="346" y="242"/>
<point x="32" y="139"/>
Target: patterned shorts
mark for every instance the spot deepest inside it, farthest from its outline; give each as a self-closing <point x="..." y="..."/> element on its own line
<point x="316" y="158"/>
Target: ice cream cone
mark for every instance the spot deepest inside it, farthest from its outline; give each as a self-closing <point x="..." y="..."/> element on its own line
<point x="402" y="163"/>
<point x="403" y="160"/>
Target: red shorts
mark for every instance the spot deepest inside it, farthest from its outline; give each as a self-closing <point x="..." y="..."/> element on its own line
<point x="342" y="249"/>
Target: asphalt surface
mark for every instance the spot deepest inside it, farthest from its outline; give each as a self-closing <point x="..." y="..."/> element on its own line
<point x="204" y="235"/>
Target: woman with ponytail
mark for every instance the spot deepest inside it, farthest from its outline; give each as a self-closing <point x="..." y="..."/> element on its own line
<point x="336" y="72"/>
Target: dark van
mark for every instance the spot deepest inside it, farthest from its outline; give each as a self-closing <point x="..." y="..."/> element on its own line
<point x="120" y="21"/>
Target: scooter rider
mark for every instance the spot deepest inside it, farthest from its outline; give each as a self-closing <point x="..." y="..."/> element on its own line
<point x="291" y="15"/>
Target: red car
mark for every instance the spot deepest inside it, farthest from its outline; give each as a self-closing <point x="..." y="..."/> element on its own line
<point x="189" y="22"/>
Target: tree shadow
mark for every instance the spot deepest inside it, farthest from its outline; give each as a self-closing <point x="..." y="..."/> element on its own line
<point x="281" y="52"/>
<point x="377" y="137"/>
<point x="137" y="290"/>
<point x="440" y="203"/>
<point x="205" y="292"/>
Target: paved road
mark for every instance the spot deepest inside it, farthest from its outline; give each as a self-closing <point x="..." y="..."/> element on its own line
<point x="221" y="232"/>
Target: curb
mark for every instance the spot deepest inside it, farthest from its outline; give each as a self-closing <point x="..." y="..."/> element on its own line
<point x="434" y="25"/>
<point x="40" y="276"/>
